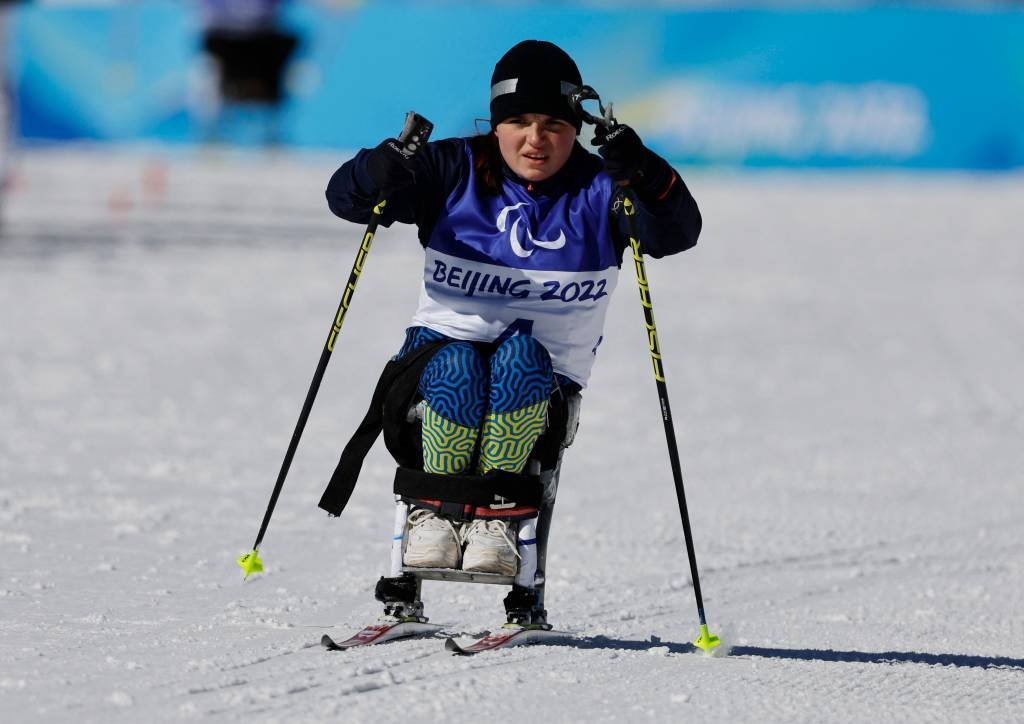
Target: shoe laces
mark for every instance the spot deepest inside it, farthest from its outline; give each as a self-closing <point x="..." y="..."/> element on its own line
<point x="428" y="520"/>
<point x="491" y="528"/>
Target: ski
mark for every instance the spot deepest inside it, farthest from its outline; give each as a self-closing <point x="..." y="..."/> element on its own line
<point x="381" y="632"/>
<point x="508" y="635"/>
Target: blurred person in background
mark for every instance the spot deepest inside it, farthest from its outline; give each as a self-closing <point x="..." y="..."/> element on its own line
<point x="250" y="53"/>
<point x="523" y="244"/>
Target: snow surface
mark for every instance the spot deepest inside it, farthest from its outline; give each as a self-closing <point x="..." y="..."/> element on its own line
<point x="843" y="354"/>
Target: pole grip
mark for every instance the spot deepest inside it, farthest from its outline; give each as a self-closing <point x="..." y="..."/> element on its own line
<point x="415" y="132"/>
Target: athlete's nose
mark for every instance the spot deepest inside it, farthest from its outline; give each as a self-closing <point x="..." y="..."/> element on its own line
<point x="533" y="134"/>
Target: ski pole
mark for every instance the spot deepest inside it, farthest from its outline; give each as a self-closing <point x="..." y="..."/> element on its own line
<point x="706" y="640"/>
<point x="415" y="133"/>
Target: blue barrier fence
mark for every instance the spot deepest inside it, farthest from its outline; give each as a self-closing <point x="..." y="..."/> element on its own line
<point x="874" y="86"/>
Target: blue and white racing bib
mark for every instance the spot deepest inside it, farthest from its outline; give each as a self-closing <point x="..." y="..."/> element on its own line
<point x="514" y="264"/>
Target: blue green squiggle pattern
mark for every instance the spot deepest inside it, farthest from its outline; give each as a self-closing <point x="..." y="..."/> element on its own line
<point x="447" y="446"/>
<point x="454" y="383"/>
<point x="520" y="374"/>
<point x="508" y="437"/>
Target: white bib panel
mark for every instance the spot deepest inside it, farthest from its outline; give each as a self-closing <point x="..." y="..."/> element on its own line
<point x="564" y="311"/>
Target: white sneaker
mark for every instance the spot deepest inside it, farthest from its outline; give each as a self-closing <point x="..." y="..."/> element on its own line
<point x="431" y="542"/>
<point x="490" y="548"/>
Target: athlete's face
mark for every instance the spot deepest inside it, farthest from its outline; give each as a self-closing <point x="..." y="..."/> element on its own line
<point x="534" y="145"/>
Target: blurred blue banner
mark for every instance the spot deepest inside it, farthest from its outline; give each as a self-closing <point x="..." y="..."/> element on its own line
<point x="869" y="86"/>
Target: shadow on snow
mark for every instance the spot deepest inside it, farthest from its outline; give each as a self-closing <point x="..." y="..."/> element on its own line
<point x="859" y="657"/>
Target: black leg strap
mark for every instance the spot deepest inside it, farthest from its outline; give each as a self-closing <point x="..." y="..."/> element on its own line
<point x="498" y="494"/>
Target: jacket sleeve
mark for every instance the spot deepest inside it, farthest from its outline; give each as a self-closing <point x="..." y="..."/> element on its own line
<point x="667" y="218"/>
<point x="438" y="166"/>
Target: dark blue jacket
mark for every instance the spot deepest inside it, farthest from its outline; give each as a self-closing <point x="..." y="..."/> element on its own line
<point x="668" y="220"/>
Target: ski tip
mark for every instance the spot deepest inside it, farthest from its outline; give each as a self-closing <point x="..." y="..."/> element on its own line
<point x="328" y="643"/>
<point x="450" y="645"/>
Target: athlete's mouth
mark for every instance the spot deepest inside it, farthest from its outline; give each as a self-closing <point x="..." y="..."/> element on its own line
<point x="535" y="156"/>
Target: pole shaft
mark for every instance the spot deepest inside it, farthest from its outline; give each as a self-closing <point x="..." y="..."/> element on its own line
<point x="325" y="357"/>
<point x="666" y="410"/>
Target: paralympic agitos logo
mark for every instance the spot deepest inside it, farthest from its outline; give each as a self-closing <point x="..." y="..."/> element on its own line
<point x="518" y="247"/>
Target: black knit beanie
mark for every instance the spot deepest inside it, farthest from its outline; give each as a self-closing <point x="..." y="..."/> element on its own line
<point x="535" y="76"/>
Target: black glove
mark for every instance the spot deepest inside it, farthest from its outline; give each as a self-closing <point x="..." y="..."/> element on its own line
<point x="390" y="166"/>
<point x="623" y="152"/>
<point x="627" y="159"/>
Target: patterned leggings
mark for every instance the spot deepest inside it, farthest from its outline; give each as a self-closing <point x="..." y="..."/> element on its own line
<point x="502" y="401"/>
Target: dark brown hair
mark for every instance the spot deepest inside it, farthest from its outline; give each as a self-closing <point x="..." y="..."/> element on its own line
<point x="487" y="163"/>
